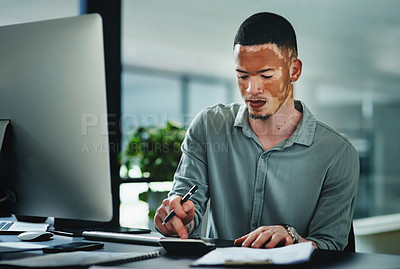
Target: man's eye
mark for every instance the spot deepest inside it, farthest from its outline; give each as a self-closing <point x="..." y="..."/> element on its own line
<point x="243" y="77"/>
<point x="264" y="76"/>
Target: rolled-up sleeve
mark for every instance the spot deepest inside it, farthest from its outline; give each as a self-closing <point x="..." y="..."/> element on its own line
<point x="192" y="169"/>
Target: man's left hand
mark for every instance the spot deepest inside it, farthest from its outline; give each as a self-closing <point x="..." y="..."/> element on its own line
<point x="265" y="236"/>
<point x="268" y="237"/>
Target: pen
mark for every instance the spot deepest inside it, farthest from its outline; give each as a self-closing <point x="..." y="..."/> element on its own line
<point x="184" y="199"/>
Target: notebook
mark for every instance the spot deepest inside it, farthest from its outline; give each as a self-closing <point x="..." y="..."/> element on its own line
<point x="80" y="259"/>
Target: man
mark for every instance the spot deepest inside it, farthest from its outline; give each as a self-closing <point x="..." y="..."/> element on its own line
<point x="273" y="173"/>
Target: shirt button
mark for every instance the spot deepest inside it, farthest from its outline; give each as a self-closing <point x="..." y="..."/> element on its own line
<point x="264" y="156"/>
<point x="259" y="190"/>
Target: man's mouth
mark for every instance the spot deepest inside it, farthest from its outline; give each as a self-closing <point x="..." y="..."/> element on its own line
<point x="256" y="103"/>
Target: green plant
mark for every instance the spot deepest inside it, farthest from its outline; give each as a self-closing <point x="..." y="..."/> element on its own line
<point x="157" y="148"/>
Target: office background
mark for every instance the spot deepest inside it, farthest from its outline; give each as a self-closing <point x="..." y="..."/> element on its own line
<point x="177" y="59"/>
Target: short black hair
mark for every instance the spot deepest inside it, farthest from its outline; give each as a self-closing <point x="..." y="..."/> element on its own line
<point x="266" y="27"/>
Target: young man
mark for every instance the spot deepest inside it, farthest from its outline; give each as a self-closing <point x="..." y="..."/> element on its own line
<point x="274" y="174"/>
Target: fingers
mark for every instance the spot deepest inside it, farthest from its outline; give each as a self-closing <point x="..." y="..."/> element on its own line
<point x="278" y="240"/>
<point x="265" y="236"/>
<point x="183" y="215"/>
<point x="260" y="240"/>
<point x="189" y="210"/>
<point x="178" y="226"/>
<point x="182" y="211"/>
<point x="253" y="239"/>
<point x="161" y="214"/>
<point x="238" y="242"/>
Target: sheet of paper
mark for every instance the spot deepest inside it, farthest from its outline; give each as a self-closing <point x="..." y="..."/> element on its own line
<point x="297" y="253"/>
<point x="9" y="247"/>
<point x="21" y="245"/>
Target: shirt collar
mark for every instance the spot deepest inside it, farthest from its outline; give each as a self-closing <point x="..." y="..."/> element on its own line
<point x="305" y="130"/>
<point x="242" y="120"/>
<point x="242" y="117"/>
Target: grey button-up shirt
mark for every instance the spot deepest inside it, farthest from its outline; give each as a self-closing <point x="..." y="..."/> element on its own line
<point x="308" y="181"/>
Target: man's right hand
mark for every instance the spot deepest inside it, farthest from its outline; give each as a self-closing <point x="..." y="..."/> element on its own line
<point x="184" y="215"/>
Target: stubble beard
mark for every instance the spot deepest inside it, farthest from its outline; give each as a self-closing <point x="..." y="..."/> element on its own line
<point x="262" y="118"/>
<point x="267" y="116"/>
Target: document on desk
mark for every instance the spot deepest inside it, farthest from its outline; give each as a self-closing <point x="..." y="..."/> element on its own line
<point x="10" y="247"/>
<point x="80" y="259"/>
<point x="292" y="254"/>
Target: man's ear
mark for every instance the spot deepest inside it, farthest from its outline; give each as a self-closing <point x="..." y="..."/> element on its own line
<point x="295" y="70"/>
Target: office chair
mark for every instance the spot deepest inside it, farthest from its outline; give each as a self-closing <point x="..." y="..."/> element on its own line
<point x="351" y="243"/>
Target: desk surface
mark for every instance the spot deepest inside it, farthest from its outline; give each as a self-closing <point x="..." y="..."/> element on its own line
<point x="321" y="258"/>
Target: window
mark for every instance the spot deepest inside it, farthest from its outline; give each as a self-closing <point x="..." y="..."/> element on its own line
<point x="151" y="97"/>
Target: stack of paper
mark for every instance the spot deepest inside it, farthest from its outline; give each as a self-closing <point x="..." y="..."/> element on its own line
<point x="292" y="254"/>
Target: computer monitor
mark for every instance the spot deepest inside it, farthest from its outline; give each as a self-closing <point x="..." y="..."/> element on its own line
<point x="52" y="89"/>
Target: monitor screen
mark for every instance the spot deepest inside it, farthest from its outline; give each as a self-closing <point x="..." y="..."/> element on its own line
<point x="52" y="89"/>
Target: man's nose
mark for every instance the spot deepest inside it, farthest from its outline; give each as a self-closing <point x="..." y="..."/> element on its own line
<point x="254" y="87"/>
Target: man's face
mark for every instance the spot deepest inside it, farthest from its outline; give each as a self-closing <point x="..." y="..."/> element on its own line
<point x="263" y="77"/>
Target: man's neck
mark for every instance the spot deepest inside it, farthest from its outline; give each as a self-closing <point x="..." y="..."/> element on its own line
<point x="278" y="127"/>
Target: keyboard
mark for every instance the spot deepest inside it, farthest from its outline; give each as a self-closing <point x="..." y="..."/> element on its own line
<point x="122" y="238"/>
<point x="5" y="225"/>
<point x="15" y="227"/>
